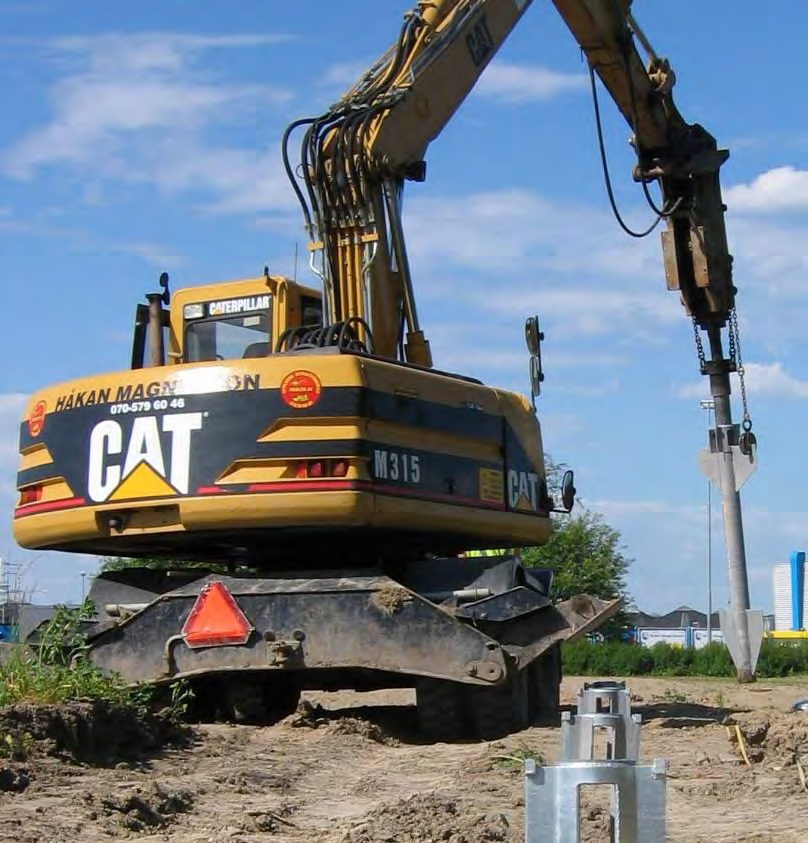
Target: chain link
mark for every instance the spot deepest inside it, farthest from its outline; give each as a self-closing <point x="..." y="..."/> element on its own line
<point x="733" y="343"/>
<point x="735" y="356"/>
<point x="735" y="360"/>
<point x="699" y="346"/>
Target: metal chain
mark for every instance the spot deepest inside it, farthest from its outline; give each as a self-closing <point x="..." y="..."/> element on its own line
<point x="699" y="346"/>
<point x="735" y="355"/>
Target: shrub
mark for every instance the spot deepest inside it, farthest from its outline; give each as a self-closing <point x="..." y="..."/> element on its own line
<point x="587" y="658"/>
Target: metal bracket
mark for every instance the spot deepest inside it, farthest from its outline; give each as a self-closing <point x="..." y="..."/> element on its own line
<point x="638" y="791"/>
<point x="744" y="465"/>
<point x="285" y="653"/>
<point x="489" y="671"/>
<point x="604" y="710"/>
<point x="553" y="800"/>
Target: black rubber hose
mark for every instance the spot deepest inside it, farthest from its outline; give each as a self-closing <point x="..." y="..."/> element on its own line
<point x="288" y="167"/>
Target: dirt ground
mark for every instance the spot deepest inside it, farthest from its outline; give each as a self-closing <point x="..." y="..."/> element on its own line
<point x="354" y="771"/>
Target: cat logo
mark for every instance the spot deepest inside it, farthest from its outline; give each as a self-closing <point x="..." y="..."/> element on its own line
<point x="230" y="307"/>
<point x="523" y="490"/>
<point x="151" y="460"/>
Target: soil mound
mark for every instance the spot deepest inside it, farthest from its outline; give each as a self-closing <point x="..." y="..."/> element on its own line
<point x="139" y="809"/>
<point x="99" y="732"/>
<point x="309" y="716"/>
<point x="773" y="739"/>
<point x="430" y="817"/>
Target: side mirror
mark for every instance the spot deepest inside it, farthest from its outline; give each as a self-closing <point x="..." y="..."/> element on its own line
<point x="533" y="335"/>
<point x="568" y="491"/>
<point x="533" y="339"/>
<point x="536" y="377"/>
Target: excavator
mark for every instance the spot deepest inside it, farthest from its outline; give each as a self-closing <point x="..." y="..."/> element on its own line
<point x="313" y="479"/>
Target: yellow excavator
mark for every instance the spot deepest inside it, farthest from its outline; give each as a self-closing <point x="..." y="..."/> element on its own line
<point x="299" y="446"/>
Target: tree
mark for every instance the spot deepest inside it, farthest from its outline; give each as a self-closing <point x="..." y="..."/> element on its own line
<point x="123" y="563"/>
<point x="586" y="556"/>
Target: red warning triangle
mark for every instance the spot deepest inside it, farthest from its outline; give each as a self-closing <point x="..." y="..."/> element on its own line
<point x="216" y="619"/>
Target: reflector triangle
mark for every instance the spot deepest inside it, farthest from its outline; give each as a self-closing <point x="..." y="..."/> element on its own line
<point x="143" y="482"/>
<point x="216" y="619"/>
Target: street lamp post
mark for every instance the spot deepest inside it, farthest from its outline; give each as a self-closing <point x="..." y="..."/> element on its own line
<point x="709" y="405"/>
<point x="83" y="575"/>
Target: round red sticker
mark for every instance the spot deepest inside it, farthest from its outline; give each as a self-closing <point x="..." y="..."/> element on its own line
<point x="301" y="389"/>
<point x="37" y="420"/>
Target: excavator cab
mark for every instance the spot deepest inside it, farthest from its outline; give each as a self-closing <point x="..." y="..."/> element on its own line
<point x="234" y="320"/>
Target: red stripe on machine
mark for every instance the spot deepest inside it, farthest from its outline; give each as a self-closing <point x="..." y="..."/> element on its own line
<point x="48" y="506"/>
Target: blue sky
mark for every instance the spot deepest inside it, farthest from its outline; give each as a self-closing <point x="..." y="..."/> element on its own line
<point x="137" y="138"/>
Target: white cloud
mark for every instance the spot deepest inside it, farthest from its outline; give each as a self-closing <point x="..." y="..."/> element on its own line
<point x="573" y="266"/>
<point x="560" y="428"/>
<point x="344" y="75"/>
<point x="696" y="389"/>
<point x="771" y="254"/>
<point x="590" y="311"/>
<point x="458" y="344"/>
<point x="513" y="252"/>
<point x="769" y="379"/>
<point x="525" y="232"/>
<point x="518" y="84"/>
<point x="93" y="113"/>
<point x="138" y="51"/>
<point x="154" y="254"/>
<point x="139" y="110"/>
<point x="779" y="189"/>
<point x="788" y="528"/>
<point x="772" y="380"/>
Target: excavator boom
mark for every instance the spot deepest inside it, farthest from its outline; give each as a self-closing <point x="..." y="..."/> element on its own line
<point x="356" y="157"/>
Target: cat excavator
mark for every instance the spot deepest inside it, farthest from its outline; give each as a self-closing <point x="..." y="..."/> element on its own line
<point x="313" y="478"/>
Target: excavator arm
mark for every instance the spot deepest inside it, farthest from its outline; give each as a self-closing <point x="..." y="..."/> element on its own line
<point x="684" y="158"/>
<point x="356" y="157"/>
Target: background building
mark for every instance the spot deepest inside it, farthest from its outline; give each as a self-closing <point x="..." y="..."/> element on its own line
<point x="683" y="627"/>
<point x="790" y="599"/>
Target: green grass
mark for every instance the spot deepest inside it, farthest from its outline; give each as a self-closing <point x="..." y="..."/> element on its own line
<point x="672" y="695"/>
<point x="16" y="747"/>
<point x="515" y="758"/>
<point x="58" y="668"/>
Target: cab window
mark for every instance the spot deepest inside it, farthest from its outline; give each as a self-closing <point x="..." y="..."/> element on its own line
<point x="228" y="337"/>
<point x="312" y="311"/>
